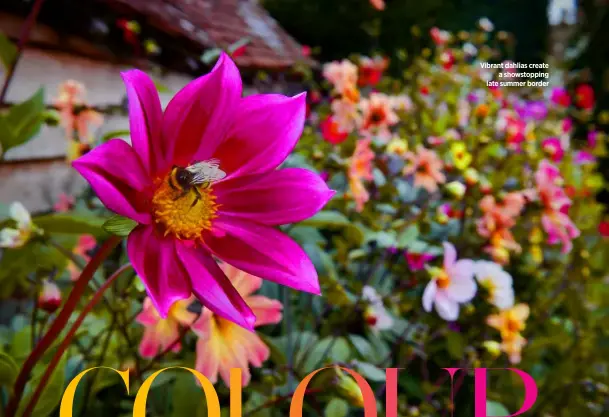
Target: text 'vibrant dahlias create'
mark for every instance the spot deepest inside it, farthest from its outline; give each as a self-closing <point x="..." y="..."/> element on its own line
<point x="200" y="179"/>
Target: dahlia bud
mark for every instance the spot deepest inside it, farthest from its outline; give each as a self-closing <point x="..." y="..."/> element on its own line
<point x="456" y="189"/>
<point x="50" y="297"/>
<point x="349" y="389"/>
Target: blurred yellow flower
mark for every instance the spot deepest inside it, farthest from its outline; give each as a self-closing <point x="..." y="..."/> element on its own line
<point x="461" y="158"/>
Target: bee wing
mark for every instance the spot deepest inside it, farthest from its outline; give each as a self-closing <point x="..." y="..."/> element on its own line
<point x="206" y="171"/>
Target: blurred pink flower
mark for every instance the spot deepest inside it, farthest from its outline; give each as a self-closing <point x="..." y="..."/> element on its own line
<point x="378" y="115"/>
<point x="417" y="261"/>
<point x="555" y="219"/>
<point x="560" y="96"/>
<point x="64" y="203"/>
<point x="583" y="158"/>
<point x="360" y="169"/>
<point x="439" y="37"/>
<point x="343" y="77"/>
<point x="426" y="167"/>
<point x="451" y="285"/>
<point x="85" y="244"/>
<point x="202" y="182"/>
<point x="331" y="131"/>
<point x="553" y="148"/>
<point x="160" y="333"/>
<point x="560" y="229"/>
<point x="75" y="117"/>
<point x="345" y="114"/>
<point x="378" y="4"/>
<point x="223" y="345"/>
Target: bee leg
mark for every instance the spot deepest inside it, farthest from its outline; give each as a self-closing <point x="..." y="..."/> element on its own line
<point x="197" y="198"/>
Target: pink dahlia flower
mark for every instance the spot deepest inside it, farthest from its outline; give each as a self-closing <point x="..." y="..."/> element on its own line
<point x="200" y="179"/>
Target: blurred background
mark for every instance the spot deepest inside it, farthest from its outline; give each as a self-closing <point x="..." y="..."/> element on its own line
<point x="179" y="39"/>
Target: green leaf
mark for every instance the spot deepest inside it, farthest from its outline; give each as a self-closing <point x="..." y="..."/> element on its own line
<point x="119" y="225"/>
<point x="70" y="223"/>
<point x="22" y="121"/>
<point x="8" y="51"/>
<point x="51" y="395"/>
<point x="362" y="346"/>
<point x="186" y="395"/>
<point x="331" y="349"/>
<point x="407" y="236"/>
<point x="371" y="372"/>
<point x="327" y="218"/>
<point x="495" y="409"/>
<point x="337" y="407"/>
<point x="115" y="134"/>
<point x="8" y="370"/>
<point x="455" y="345"/>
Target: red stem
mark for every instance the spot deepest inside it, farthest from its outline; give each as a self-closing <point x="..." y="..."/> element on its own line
<point x="23" y="38"/>
<point x="59" y="323"/>
<point x="66" y="341"/>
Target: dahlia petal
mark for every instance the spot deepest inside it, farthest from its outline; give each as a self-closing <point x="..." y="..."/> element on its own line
<point x="213" y="288"/>
<point x="155" y="260"/>
<point x="267" y="311"/>
<point x="197" y="119"/>
<point x="145" y="121"/>
<point x="149" y="346"/>
<point x="265" y="130"/>
<point x="447" y="308"/>
<point x="461" y="290"/>
<point x="264" y="252"/>
<point x="257" y="351"/>
<point x="429" y="295"/>
<point x="117" y="176"/>
<point x="19" y="213"/>
<point x="208" y="359"/>
<point x="148" y="316"/>
<point x="274" y="198"/>
<point x="450" y="255"/>
<point x="243" y="282"/>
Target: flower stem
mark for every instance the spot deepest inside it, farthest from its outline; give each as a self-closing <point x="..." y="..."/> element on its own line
<point x="59" y="323"/>
<point x="23" y="38"/>
<point x="66" y="341"/>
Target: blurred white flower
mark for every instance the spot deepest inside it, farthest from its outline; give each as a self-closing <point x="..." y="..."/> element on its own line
<point x="376" y="315"/>
<point x="15" y="238"/>
<point x="470" y="49"/>
<point x="486" y="25"/>
<point x="497" y="282"/>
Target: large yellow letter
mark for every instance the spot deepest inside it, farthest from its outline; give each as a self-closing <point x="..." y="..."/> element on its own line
<point x="213" y="403"/>
<point x="367" y="393"/>
<point x="67" y="401"/>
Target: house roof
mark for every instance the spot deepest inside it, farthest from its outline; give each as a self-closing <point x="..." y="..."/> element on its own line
<point x="220" y="23"/>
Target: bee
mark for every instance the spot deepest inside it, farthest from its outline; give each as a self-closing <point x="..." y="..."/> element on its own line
<point x="199" y="174"/>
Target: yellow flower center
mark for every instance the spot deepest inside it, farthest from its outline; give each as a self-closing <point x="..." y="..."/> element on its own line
<point x="183" y="212"/>
<point x="490" y="286"/>
<point x="443" y="281"/>
<point x="513" y="325"/>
